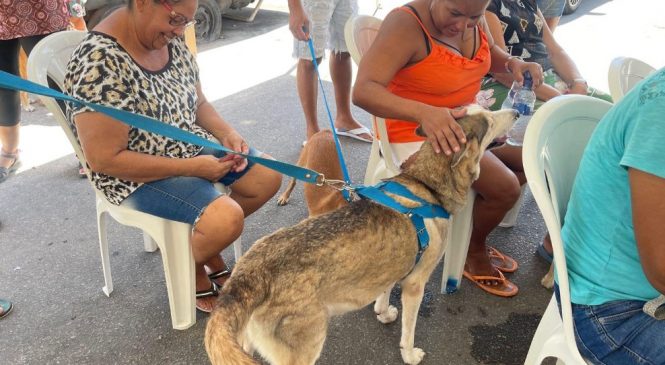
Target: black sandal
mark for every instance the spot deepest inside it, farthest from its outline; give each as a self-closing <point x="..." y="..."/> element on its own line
<point x="219" y="274"/>
<point x="212" y="292"/>
<point x="6" y="171"/>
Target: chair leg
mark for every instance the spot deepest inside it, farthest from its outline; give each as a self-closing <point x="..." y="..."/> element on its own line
<point x="459" y="234"/>
<point x="104" y="251"/>
<point x="149" y="244"/>
<point x="179" y="272"/>
<point x="237" y="249"/>
<point x="549" y="324"/>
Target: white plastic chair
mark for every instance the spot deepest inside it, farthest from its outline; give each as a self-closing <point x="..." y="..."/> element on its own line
<point x="49" y="58"/>
<point x="624" y="73"/>
<point x="359" y="33"/>
<point x="553" y="146"/>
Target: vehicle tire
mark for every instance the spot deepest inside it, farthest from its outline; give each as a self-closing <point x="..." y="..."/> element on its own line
<point x="208" y="21"/>
<point x="571" y="6"/>
<point x="101" y="13"/>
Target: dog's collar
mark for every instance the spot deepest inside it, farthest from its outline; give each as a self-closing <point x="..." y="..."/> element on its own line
<point x="378" y="194"/>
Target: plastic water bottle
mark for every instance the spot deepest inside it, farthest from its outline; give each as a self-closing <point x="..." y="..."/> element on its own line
<point x="523" y="100"/>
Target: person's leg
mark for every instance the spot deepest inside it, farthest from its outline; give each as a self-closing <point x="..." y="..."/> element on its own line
<point x="497" y="191"/>
<point x="319" y="12"/>
<point x="9" y="105"/>
<point x="217" y="220"/>
<point x="340" y="67"/>
<point x="250" y="189"/>
<point x="308" y="93"/>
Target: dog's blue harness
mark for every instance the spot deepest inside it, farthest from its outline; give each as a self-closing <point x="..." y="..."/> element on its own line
<point x="379" y="194"/>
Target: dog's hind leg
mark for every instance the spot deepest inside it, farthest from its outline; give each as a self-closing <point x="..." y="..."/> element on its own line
<point x="412" y="296"/>
<point x="385" y="312"/>
<point x="299" y="338"/>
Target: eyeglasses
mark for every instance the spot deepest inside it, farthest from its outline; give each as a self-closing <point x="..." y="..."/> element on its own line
<point x="177" y="19"/>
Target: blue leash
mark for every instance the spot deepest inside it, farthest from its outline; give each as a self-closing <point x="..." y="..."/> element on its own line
<point x="9" y="81"/>
<point x="376" y="193"/>
<point x="342" y="163"/>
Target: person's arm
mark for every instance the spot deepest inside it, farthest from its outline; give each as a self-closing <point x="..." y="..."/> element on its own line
<point x="543" y="91"/>
<point x="562" y="63"/>
<point x="396" y="46"/>
<point x="648" y="205"/>
<point x="299" y="23"/>
<point x="104" y="143"/>
<point x="208" y="118"/>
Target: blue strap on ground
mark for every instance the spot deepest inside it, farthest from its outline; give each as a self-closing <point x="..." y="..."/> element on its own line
<point x="12" y="82"/>
<point x="342" y="163"/>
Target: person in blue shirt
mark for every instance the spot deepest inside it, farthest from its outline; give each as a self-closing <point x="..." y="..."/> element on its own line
<point x="614" y="231"/>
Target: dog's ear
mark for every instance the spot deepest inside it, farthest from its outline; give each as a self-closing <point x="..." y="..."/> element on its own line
<point x="459" y="155"/>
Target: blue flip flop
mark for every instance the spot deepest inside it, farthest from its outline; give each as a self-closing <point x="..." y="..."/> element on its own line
<point x="6" y="306"/>
<point x="542" y="252"/>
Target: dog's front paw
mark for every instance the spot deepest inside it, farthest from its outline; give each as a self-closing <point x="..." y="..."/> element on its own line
<point x="413" y="356"/>
<point x="388" y="316"/>
<point x="282" y="200"/>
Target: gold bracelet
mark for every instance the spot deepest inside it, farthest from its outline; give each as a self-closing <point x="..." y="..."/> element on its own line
<point x="505" y="65"/>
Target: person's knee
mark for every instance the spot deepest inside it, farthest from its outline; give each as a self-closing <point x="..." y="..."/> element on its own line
<point x="223" y="218"/>
<point x="504" y="192"/>
<point x="306" y="65"/>
<point x="272" y="179"/>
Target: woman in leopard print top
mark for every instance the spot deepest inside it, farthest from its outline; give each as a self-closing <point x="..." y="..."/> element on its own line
<point x="136" y="60"/>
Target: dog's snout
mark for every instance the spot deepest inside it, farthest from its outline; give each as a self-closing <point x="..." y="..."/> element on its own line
<point x="517" y="114"/>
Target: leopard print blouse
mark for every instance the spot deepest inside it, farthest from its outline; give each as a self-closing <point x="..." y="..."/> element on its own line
<point x="101" y="71"/>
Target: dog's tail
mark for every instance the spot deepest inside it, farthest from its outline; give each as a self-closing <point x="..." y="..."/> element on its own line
<point x="227" y="322"/>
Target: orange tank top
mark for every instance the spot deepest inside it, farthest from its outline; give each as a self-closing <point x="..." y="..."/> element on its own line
<point x="443" y="78"/>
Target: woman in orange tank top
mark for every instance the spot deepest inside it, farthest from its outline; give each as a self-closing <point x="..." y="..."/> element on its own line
<point x="428" y="58"/>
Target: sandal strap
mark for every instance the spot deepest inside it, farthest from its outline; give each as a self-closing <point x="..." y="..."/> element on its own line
<point x="212" y="292"/>
<point x="9" y="154"/>
<point x="219" y="274"/>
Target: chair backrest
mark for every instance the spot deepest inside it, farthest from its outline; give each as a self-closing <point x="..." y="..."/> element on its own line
<point x="624" y="73"/>
<point x="48" y="60"/>
<point x="553" y="146"/>
<point x="359" y="33"/>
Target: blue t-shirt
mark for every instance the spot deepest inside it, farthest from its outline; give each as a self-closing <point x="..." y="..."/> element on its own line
<point x="601" y="251"/>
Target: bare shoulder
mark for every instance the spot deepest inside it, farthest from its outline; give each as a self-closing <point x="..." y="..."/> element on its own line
<point x="402" y="36"/>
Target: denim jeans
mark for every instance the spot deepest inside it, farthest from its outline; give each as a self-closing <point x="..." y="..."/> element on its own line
<point x="618" y="333"/>
<point x="182" y="198"/>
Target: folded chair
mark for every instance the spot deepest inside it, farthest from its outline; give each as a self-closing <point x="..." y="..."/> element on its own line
<point x="48" y="60"/>
<point x="359" y="33"/>
<point x="624" y="73"/>
<point x="553" y="146"/>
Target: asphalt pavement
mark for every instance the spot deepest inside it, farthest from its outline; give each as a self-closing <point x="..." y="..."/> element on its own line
<point x="49" y="254"/>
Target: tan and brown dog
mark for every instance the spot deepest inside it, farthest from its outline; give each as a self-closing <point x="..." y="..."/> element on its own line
<point x="284" y="289"/>
<point x="319" y="154"/>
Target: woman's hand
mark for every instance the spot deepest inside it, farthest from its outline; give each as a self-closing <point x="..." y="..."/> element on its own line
<point x="212" y="168"/>
<point x="442" y="130"/>
<point x="520" y="67"/>
<point x="234" y="141"/>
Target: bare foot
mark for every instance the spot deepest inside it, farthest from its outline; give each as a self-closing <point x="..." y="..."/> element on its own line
<point x="479" y="264"/>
